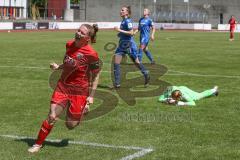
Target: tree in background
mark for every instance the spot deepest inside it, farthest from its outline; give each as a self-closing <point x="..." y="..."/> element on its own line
<point x="75" y="1"/>
<point x="74" y="4"/>
<point x="35" y="6"/>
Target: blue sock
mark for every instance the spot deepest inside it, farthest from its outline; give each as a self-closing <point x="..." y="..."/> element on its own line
<point x="149" y="55"/>
<point x="117" y="74"/>
<point x="143" y="70"/>
<point x="140" y="53"/>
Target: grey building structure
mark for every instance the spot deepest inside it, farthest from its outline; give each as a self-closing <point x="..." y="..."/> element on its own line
<point x="169" y="11"/>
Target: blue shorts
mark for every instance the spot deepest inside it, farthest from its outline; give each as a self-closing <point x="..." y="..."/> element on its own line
<point x="144" y="41"/>
<point x="127" y="47"/>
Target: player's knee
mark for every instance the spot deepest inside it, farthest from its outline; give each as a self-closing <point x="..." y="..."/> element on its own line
<point x="52" y="118"/>
<point x="137" y="61"/>
<point x="71" y="125"/>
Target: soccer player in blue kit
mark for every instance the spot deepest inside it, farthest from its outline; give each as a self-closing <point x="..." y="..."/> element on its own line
<point x="145" y="25"/>
<point x="127" y="46"/>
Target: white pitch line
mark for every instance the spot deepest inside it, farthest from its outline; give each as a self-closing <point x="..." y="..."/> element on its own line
<point x="31" y="67"/>
<point x="170" y="38"/>
<point x="24" y="67"/>
<point x="140" y="151"/>
<point x="175" y="73"/>
<point x="202" y="75"/>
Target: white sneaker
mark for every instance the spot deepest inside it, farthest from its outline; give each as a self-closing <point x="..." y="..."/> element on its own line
<point x="35" y="148"/>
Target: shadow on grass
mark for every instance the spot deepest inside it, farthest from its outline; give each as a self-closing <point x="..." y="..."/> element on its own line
<point x="31" y="141"/>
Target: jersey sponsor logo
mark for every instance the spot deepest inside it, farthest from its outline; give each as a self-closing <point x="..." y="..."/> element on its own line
<point x="79" y="55"/>
<point x="130" y="25"/>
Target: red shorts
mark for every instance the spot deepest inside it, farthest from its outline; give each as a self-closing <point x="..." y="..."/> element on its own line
<point x="76" y="103"/>
<point x="232" y="28"/>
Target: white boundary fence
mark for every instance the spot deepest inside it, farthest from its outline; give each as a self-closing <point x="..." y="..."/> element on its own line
<point x="226" y="27"/>
<point x="102" y="25"/>
<point x="108" y="25"/>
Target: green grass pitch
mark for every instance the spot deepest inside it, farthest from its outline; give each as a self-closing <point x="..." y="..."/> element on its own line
<point x="199" y="60"/>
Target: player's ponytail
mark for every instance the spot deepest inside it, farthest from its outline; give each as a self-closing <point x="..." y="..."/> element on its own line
<point x="92" y="32"/>
<point x="94" y="36"/>
<point x="129" y="10"/>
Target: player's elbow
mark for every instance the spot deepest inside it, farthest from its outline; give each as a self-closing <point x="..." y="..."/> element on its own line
<point x="161" y="100"/>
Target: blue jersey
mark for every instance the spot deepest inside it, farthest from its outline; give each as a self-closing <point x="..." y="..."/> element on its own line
<point x="126" y="41"/>
<point x="126" y="25"/>
<point x="144" y="27"/>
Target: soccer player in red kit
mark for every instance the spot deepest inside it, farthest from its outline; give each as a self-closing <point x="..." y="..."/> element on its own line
<point x="77" y="84"/>
<point x="232" y="23"/>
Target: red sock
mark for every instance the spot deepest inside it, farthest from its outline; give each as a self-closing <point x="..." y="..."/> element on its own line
<point x="43" y="133"/>
<point x="231" y="35"/>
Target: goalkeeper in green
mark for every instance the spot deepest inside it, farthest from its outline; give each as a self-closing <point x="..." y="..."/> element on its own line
<point x="183" y="96"/>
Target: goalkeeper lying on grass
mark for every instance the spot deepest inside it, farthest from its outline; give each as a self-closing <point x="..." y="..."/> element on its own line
<point x="183" y="96"/>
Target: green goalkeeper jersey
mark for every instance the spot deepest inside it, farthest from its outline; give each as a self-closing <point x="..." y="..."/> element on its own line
<point x="188" y="96"/>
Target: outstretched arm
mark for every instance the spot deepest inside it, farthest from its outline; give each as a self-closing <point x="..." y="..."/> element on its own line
<point x="188" y="101"/>
<point x="95" y="68"/>
<point x="165" y="99"/>
<point x="55" y="66"/>
<point x="162" y="98"/>
<point x="181" y="103"/>
<point x="136" y="31"/>
<point x="131" y="32"/>
<point x="153" y="33"/>
<point x="94" y="83"/>
<point x="92" y="89"/>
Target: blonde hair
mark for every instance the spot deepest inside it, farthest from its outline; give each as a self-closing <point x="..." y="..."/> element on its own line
<point x="129" y="10"/>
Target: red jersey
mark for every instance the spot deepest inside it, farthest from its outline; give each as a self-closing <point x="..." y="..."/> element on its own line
<point x="232" y="22"/>
<point x="78" y="64"/>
